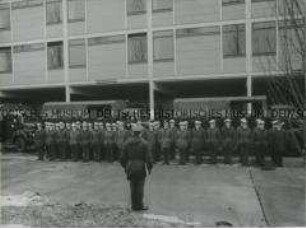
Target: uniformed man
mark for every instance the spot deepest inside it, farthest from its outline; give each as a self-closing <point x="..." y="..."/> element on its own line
<point x="120" y="137"/>
<point x="108" y="142"/>
<point x="228" y="136"/>
<point x="165" y="142"/>
<point x="173" y="130"/>
<point x="74" y="142"/>
<point x="85" y="140"/>
<point x="101" y="141"/>
<point x="277" y="140"/>
<point x="182" y="142"/>
<point x="61" y="140"/>
<point x="197" y="141"/>
<point x="68" y="150"/>
<point x="39" y="140"/>
<point x="50" y="141"/>
<point x="243" y="141"/>
<point x="157" y="133"/>
<point x="260" y="142"/>
<point x="136" y="161"/>
<point x="95" y="143"/>
<point x="213" y="140"/>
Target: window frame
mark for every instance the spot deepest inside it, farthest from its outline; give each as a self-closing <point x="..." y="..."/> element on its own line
<point x="139" y="36"/>
<point x="49" y="2"/>
<point x="138" y="12"/>
<point x="163" y="36"/>
<point x="76" y="19"/>
<point x="232" y="2"/>
<point x="6" y="7"/>
<point x="56" y="44"/>
<point x="8" y="51"/>
<point x="162" y="10"/>
<point x="240" y="52"/>
<point x="266" y="53"/>
<point x="78" y="43"/>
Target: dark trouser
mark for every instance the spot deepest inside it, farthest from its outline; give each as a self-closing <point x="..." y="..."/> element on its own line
<point x="40" y="152"/>
<point x="213" y="152"/>
<point x="227" y="153"/>
<point x="137" y="192"/>
<point x="166" y="155"/>
<point x="109" y="154"/>
<point x="85" y="152"/>
<point x="157" y="152"/>
<point x="244" y="154"/>
<point x="51" y="151"/>
<point x="260" y="151"/>
<point x="183" y="156"/>
<point x="277" y="157"/>
<point x="172" y="151"/>
<point x="96" y="152"/>
<point x="198" y="156"/>
<point x="61" y="148"/>
<point x="75" y="152"/>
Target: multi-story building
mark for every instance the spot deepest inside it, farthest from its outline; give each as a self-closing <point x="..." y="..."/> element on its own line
<point x="140" y="50"/>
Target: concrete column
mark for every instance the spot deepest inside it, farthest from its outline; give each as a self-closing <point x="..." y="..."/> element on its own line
<point x="66" y="51"/>
<point x="150" y="59"/>
<point x="248" y="28"/>
<point x="67" y="94"/>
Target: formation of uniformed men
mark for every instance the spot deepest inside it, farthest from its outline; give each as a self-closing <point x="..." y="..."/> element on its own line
<point x="100" y="141"/>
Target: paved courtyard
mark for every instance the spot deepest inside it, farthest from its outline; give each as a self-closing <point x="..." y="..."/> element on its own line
<point x="198" y="195"/>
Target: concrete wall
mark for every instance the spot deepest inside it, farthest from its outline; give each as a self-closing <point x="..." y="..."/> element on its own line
<point x="160" y="19"/>
<point x="264" y="9"/>
<point x="163" y="69"/>
<point x="106" y="15"/>
<point x="107" y="61"/>
<point x="55" y="31"/>
<point x="76" y="28"/>
<point x="198" y="55"/>
<point x="6" y="79"/>
<point x="196" y="11"/>
<point x="77" y="75"/>
<point x="56" y="76"/>
<point x="234" y="65"/>
<point x="28" y="23"/>
<point x="34" y="63"/>
<point x="5" y="36"/>
<point x="233" y="12"/>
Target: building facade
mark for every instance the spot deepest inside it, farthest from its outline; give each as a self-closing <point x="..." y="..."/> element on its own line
<point x="151" y="50"/>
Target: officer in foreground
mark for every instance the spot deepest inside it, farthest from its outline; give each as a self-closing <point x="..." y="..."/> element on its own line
<point x="136" y="161"/>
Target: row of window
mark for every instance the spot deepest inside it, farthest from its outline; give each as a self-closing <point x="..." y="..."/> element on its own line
<point x="76" y="9"/>
<point x="234" y="45"/>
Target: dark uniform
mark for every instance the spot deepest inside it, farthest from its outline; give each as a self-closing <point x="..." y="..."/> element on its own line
<point x="74" y="143"/>
<point x="212" y="142"/>
<point x="173" y="131"/>
<point x="51" y="144"/>
<point x="197" y="144"/>
<point x="228" y="136"/>
<point x="182" y="145"/>
<point x="96" y="145"/>
<point x="85" y="139"/>
<point x="135" y="159"/>
<point x="61" y="143"/>
<point x="243" y="143"/>
<point x="108" y="145"/>
<point x="39" y="141"/>
<point x="277" y="143"/>
<point x="260" y="145"/>
<point x="165" y="144"/>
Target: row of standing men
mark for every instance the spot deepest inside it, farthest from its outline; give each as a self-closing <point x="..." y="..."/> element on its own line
<point x="98" y="141"/>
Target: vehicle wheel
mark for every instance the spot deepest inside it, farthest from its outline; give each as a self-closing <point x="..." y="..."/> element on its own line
<point x="20" y="144"/>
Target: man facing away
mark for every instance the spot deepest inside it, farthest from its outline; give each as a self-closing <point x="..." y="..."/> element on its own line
<point x="136" y="161"/>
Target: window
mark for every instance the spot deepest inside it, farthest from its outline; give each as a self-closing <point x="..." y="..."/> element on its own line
<point x="162" y="5"/>
<point x="106" y="40"/>
<point x="232" y="2"/>
<point x="55" y="55"/>
<point x="163" y="46"/>
<point x="29" y="48"/>
<point x="27" y="3"/>
<point x="264" y="38"/>
<point x="76" y="10"/>
<point x="5" y="60"/>
<point x="77" y="53"/>
<point x="5" y="17"/>
<point x="137" y="48"/>
<point x="254" y="1"/>
<point x="234" y="40"/>
<point x="54" y="12"/>
<point x="203" y="31"/>
<point x="135" y="7"/>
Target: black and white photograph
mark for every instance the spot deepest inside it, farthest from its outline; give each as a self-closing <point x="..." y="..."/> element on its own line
<point x="152" y="113"/>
